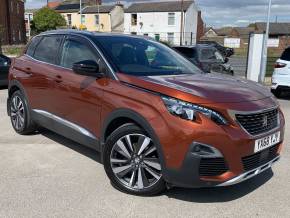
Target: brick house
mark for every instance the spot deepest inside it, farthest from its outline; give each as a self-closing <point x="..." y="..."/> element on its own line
<point x="12" y="23"/>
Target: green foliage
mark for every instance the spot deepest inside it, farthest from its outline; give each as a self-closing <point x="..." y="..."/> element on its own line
<point x="46" y="19"/>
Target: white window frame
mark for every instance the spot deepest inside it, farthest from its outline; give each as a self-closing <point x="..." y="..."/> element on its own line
<point x="171" y="19"/>
<point x="170" y="37"/>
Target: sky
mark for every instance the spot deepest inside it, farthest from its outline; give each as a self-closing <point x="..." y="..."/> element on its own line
<point x="218" y="13"/>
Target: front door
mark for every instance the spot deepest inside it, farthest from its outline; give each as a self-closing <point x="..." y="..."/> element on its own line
<point x="80" y="96"/>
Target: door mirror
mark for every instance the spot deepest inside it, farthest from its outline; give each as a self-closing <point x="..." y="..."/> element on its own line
<point x="87" y="68"/>
<point x="226" y="60"/>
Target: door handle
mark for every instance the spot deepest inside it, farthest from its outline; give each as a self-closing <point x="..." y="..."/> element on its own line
<point x="28" y="71"/>
<point x="58" y="79"/>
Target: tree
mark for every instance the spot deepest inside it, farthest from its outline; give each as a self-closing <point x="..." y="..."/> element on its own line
<point x="46" y="19"/>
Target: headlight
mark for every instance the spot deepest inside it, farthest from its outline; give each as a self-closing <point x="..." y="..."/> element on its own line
<point x="188" y="111"/>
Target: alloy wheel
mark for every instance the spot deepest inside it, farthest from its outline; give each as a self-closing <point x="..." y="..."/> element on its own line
<point x="135" y="162"/>
<point x="17" y="113"/>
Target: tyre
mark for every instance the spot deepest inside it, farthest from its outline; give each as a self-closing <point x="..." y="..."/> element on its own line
<point x="20" y="114"/>
<point x="132" y="163"/>
<point x="276" y="92"/>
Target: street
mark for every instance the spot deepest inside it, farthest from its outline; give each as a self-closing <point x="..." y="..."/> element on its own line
<point x="46" y="175"/>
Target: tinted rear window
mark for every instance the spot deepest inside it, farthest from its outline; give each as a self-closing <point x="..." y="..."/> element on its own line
<point x="286" y="55"/>
<point x="31" y="47"/>
<point x="188" y="52"/>
<point x="47" y="49"/>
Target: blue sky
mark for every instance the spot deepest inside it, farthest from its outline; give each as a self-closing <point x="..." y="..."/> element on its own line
<point x="219" y="13"/>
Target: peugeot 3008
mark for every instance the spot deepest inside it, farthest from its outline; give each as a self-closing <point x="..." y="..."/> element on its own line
<point x="156" y="119"/>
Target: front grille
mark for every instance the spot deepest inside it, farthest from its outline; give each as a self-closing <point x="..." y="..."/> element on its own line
<point x="212" y="166"/>
<point x="259" y="123"/>
<point x="256" y="160"/>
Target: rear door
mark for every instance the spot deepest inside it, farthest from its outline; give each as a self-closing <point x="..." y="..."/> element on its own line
<point x="39" y="67"/>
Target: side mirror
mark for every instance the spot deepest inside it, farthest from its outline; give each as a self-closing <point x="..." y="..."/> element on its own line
<point x="227" y="60"/>
<point x="87" y="68"/>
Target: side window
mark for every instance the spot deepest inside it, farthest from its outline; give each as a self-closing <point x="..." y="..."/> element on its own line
<point x="74" y="51"/>
<point x="31" y="47"/>
<point x="47" y="49"/>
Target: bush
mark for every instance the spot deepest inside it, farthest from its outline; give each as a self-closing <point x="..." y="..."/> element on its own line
<point x="46" y="19"/>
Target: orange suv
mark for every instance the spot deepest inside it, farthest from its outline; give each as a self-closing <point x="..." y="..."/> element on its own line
<point x="157" y="120"/>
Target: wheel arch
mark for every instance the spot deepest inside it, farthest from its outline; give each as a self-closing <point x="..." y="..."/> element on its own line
<point x="130" y="116"/>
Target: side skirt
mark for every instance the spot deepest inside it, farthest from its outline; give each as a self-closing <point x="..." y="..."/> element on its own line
<point x="66" y="128"/>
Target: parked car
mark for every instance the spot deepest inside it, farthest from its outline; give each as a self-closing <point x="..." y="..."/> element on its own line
<point x="226" y="51"/>
<point x="281" y="75"/>
<point x="157" y="120"/>
<point x="208" y="58"/>
<point x="4" y="68"/>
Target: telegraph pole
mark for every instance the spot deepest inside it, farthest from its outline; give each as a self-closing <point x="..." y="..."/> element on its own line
<point x="265" y="47"/>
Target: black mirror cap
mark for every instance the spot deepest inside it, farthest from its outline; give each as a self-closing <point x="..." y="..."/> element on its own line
<point x="226" y="60"/>
<point x="87" y="68"/>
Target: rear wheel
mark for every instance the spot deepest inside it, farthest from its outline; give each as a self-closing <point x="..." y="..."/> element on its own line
<point x="20" y="114"/>
<point x="132" y="162"/>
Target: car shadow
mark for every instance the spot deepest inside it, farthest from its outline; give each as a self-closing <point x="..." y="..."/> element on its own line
<point x="83" y="150"/>
<point x="220" y="194"/>
<point x="3" y="87"/>
<point x="285" y="96"/>
<point x="200" y="195"/>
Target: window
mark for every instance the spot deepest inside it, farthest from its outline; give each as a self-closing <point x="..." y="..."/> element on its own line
<point x="141" y="57"/>
<point x="170" y="38"/>
<point x="133" y="19"/>
<point x="69" y="19"/>
<point x="97" y="19"/>
<point x="171" y="19"/>
<point x="19" y="35"/>
<point x="157" y="36"/>
<point x="11" y="6"/>
<point x="47" y="49"/>
<point x="17" y="8"/>
<point x="145" y="34"/>
<point x="73" y="52"/>
<point x="83" y="19"/>
<point x="286" y="55"/>
<point x="31" y="47"/>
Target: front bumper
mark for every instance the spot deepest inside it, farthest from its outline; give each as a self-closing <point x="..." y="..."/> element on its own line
<point x="250" y="174"/>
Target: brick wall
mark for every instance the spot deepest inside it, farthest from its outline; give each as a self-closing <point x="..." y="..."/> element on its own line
<point x="12" y="21"/>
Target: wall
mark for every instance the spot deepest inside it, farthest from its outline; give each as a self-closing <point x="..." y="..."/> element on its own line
<point x="154" y="23"/>
<point x="190" y="28"/>
<point x="12" y="20"/>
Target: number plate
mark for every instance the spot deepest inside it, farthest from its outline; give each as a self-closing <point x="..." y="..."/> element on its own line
<point x="267" y="142"/>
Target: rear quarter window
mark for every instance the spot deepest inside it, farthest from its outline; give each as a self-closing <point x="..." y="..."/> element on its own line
<point x="32" y="45"/>
<point x="286" y="55"/>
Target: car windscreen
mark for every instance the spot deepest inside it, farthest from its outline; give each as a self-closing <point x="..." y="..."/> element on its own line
<point x="143" y="57"/>
<point x="286" y="55"/>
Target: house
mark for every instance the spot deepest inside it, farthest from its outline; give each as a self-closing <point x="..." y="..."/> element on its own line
<point x="103" y="18"/>
<point x="243" y="33"/>
<point x="28" y="17"/>
<point x="12" y="26"/>
<point x="279" y="33"/>
<point x="210" y="32"/>
<point x="173" y="21"/>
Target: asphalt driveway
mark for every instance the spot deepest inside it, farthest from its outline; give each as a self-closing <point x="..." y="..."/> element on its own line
<point x="46" y="175"/>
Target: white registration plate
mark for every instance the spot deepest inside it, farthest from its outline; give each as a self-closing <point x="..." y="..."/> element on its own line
<point x="267" y="142"/>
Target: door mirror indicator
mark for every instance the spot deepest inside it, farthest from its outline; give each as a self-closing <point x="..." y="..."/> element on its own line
<point x="87" y="68"/>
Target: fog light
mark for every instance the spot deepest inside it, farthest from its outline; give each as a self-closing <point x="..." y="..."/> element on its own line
<point x="203" y="150"/>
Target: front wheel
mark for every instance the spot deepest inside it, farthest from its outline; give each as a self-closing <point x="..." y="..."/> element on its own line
<point x="132" y="163"/>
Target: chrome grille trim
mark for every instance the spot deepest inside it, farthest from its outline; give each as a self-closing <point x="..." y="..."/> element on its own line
<point x="243" y="118"/>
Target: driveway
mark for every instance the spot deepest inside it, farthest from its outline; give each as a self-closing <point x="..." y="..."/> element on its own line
<point x="46" y="175"/>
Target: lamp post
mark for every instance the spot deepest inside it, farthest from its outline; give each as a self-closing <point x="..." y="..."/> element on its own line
<point x="265" y="47"/>
<point x="81" y="13"/>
